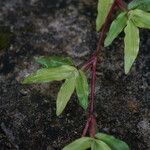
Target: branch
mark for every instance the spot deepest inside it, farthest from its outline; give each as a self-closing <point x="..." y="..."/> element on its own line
<point x="91" y="63"/>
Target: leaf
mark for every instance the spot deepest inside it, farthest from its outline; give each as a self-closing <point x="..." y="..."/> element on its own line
<point x="131" y="41"/>
<point x="79" y="144"/>
<point x="99" y="145"/>
<point x="82" y="89"/>
<point x="140" y="4"/>
<point x="50" y="74"/>
<point x="140" y="18"/>
<point x="103" y="9"/>
<point x="112" y="142"/>
<point x="54" y="61"/>
<point x="116" y="27"/>
<point x="64" y="94"/>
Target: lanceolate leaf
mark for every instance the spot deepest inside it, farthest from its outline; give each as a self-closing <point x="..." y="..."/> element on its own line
<point x="140" y="4"/>
<point x="99" y="145"/>
<point x="50" y="74"/>
<point x="64" y="94"/>
<point x="103" y="9"/>
<point x="116" y="27"/>
<point x="140" y="18"/>
<point x="112" y="142"/>
<point x="79" y="144"/>
<point x="131" y="41"/>
<point x="82" y="89"/>
<point x="54" y="61"/>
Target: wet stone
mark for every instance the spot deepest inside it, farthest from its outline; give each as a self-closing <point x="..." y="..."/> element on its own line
<point x="67" y="28"/>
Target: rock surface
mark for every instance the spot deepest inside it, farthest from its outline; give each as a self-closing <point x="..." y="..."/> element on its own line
<point x="67" y="27"/>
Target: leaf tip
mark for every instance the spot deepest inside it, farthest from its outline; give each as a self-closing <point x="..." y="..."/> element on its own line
<point x="126" y="72"/>
<point x="127" y="69"/>
<point x="38" y="59"/>
<point x="106" y="43"/>
<point x="98" y="24"/>
<point x="24" y="81"/>
<point x="27" y="80"/>
<point x="97" y="28"/>
<point x="57" y="114"/>
<point x="84" y="107"/>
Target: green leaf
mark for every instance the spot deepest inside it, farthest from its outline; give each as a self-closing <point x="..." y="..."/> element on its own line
<point x="103" y="9"/>
<point x="54" y="61"/>
<point x="116" y="27"/>
<point x="112" y="142"/>
<point x="140" y="18"/>
<point x="64" y="94"/>
<point x="99" y="145"/>
<point x="50" y="74"/>
<point x="140" y="4"/>
<point x="79" y="144"/>
<point x="82" y="89"/>
<point x="131" y="41"/>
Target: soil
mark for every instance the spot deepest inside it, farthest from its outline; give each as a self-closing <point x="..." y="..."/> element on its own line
<point x="67" y="27"/>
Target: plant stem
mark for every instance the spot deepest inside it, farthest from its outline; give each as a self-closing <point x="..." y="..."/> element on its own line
<point x="91" y="64"/>
<point x="91" y="109"/>
<point x="104" y="28"/>
<point x="86" y="126"/>
<point x="121" y="5"/>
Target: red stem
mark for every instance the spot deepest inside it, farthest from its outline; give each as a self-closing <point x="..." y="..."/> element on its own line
<point x="88" y="64"/>
<point x="86" y="127"/>
<point x="91" y="63"/>
<point x="121" y="5"/>
<point x="92" y="126"/>
<point x="91" y="109"/>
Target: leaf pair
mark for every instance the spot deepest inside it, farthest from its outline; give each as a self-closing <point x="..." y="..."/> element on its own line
<point x="129" y="22"/>
<point x="78" y="82"/>
<point x="57" y="69"/>
<point x="100" y="142"/>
